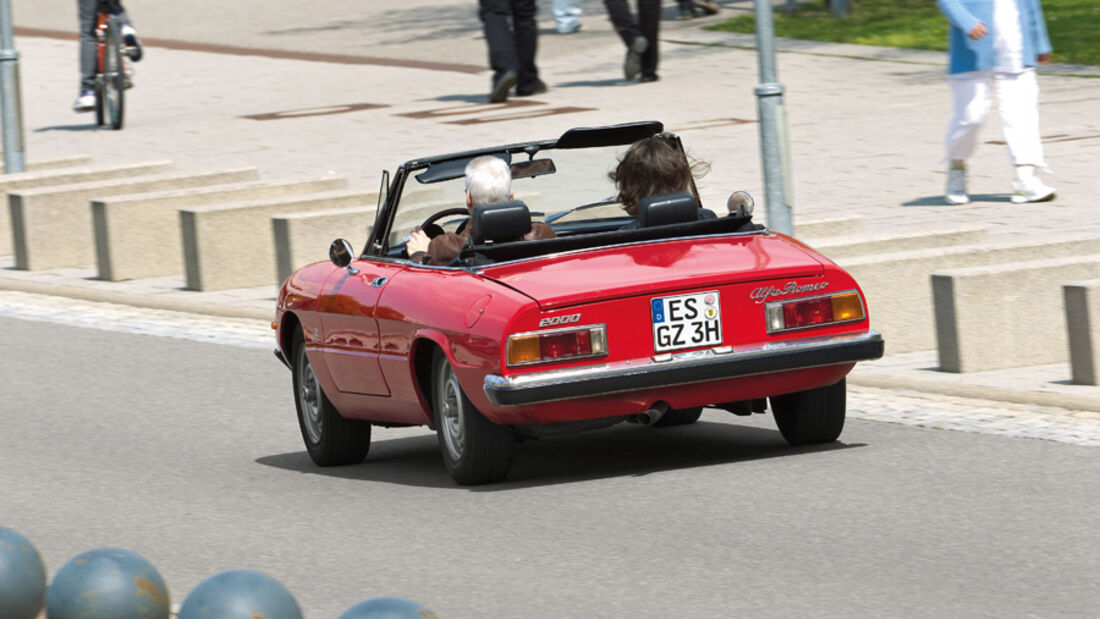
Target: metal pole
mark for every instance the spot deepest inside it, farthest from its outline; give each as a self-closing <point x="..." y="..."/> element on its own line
<point x="769" y="104"/>
<point x="11" y="112"/>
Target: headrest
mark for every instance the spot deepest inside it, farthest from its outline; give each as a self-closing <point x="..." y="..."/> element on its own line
<point x="506" y="221"/>
<point x="668" y="208"/>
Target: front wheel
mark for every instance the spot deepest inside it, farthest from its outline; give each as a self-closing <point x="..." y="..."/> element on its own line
<point x="114" y="77"/>
<point x="330" y="439"/>
<point x="812" y="416"/>
<point x="475" y="450"/>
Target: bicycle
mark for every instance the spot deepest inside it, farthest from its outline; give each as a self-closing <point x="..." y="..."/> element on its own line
<point x="111" y="80"/>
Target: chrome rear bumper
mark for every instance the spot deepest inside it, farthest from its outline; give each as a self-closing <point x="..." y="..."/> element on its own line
<point x="717" y="363"/>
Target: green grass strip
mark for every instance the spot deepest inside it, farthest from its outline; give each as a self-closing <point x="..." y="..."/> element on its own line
<point x="918" y="24"/>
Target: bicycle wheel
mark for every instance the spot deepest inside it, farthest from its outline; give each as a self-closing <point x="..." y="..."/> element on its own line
<point x="114" y="80"/>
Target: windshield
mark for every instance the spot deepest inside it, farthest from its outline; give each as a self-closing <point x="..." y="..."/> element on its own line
<point x="577" y="197"/>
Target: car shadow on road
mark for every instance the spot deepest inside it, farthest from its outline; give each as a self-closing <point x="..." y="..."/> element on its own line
<point x="624" y="450"/>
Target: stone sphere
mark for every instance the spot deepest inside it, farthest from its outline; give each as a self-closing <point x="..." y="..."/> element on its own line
<point x="22" y="577"/>
<point x="387" y="607"/>
<point x="107" y="583"/>
<point x="240" y="594"/>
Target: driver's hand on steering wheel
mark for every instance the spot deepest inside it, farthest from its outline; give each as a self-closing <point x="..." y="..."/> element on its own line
<point x="418" y="241"/>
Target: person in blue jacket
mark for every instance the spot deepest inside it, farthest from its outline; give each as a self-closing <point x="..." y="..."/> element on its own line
<point x="994" y="47"/>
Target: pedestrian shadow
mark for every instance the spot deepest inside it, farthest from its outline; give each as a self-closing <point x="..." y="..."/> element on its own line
<point x="937" y="200"/>
<point x="624" y="450"/>
<point x="614" y="81"/>
<point x="85" y="127"/>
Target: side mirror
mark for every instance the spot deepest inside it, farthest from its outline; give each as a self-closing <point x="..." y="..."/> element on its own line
<point x="740" y="203"/>
<point x="340" y="253"/>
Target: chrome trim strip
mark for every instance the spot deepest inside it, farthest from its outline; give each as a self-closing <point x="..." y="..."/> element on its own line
<point x="684" y="368"/>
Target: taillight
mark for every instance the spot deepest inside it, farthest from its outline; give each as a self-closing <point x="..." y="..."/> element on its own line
<point x="558" y="344"/>
<point x="814" y="311"/>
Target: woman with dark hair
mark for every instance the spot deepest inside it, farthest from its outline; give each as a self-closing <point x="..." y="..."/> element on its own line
<point x="653" y="166"/>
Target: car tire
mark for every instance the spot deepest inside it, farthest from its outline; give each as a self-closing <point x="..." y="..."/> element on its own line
<point x="330" y="439"/>
<point x="679" y="417"/>
<point x="812" y="416"/>
<point x="475" y="450"/>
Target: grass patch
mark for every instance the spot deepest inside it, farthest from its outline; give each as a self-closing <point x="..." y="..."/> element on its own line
<point x="918" y="24"/>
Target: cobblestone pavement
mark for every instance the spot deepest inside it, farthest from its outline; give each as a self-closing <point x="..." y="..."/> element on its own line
<point x="906" y="408"/>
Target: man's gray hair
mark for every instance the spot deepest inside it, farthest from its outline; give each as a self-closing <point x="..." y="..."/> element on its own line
<point x="489" y="180"/>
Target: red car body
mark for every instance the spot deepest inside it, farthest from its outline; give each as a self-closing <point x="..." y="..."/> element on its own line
<point x="371" y="329"/>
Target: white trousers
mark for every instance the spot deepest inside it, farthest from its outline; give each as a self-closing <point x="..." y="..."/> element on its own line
<point x="567" y="14"/>
<point x="1018" y="102"/>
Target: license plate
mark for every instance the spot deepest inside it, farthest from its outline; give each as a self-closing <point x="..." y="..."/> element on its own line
<point x="686" y="321"/>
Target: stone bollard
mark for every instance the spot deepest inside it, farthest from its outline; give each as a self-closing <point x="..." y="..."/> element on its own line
<point x="22" y="577"/>
<point x="240" y="594"/>
<point x="388" y="608"/>
<point x="107" y="583"/>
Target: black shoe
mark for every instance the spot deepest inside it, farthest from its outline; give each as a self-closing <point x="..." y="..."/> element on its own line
<point x="648" y="77"/>
<point x="632" y="66"/>
<point x="537" y="89"/>
<point x="710" y="7"/>
<point x="502" y="87"/>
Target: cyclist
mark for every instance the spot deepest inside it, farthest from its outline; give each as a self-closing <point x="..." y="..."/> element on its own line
<point x="88" y="11"/>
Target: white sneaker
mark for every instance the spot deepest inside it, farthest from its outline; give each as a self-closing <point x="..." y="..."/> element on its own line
<point x="85" y="102"/>
<point x="956" y="186"/>
<point x="1031" y="190"/>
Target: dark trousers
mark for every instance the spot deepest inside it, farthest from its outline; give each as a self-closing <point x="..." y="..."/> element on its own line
<point x="512" y="35"/>
<point x="649" y="18"/>
<point x="87" y="11"/>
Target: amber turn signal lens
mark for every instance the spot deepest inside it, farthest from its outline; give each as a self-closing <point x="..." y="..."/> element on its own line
<point x="524" y="349"/>
<point x="847" y="306"/>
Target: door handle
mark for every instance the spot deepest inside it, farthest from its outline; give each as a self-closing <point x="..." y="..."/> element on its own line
<point x="378" y="282"/>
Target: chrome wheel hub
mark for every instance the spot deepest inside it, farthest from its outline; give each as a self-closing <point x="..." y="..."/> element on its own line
<point x="309" y="396"/>
<point x="451" y="418"/>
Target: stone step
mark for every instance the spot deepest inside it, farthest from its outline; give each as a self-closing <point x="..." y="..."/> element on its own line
<point x="70" y="161"/>
<point x="63" y="176"/>
<point x="138" y="236"/>
<point x="899" y="297"/>
<point x="861" y="245"/>
<point x="52" y="226"/>
<point x="1005" y="315"/>
<point x="230" y="245"/>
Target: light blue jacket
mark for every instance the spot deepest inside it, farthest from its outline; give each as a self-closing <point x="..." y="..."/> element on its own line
<point x="968" y="55"/>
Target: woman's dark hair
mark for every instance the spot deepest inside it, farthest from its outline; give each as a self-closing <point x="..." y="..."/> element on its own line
<point x="653" y="166"/>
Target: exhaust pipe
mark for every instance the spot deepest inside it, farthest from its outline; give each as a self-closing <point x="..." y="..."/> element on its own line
<point x="651" y="416"/>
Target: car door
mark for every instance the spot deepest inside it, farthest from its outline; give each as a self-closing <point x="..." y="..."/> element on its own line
<point x="350" y="327"/>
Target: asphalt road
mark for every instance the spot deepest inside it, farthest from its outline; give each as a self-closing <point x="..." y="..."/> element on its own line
<point x="189" y="454"/>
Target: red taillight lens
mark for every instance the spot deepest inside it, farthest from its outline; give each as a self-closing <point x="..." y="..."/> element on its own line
<point x="807" y="313"/>
<point x="558" y="345"/>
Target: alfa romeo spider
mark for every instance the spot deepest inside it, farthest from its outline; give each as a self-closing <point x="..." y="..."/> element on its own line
<point x="616" y="319"/>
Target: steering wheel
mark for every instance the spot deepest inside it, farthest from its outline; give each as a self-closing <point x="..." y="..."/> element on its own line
<point x="447" y="212"/>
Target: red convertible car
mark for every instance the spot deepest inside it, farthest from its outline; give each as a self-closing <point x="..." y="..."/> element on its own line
<point x="645" y="319"/>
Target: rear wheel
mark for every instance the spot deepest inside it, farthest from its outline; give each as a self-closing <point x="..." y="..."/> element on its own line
<point x="679" y="417"/>
<point x="475" y="450"/>
<point x="114" y="79"/>
<point x="812" y="416"/>
<point x="330" y="439"/>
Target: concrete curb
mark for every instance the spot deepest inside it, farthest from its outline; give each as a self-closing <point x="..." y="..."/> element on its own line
<point x="978" y="392"/>
<point x="137" y="300"/>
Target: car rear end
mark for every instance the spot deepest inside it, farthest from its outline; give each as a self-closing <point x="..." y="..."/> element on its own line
<point x="674" y="324"/>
